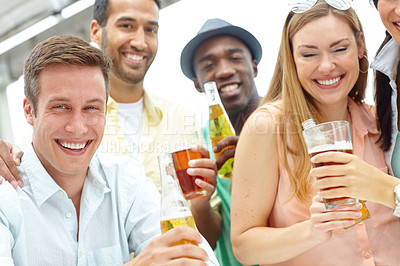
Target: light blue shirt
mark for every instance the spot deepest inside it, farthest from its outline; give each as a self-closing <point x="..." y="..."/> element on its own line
<point x="119" y="213"/>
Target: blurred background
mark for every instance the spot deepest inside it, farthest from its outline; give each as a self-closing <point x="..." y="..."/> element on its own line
<point x="27" y="22"/>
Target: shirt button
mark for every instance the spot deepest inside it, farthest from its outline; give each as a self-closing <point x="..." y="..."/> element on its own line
<point x="68" y="214"/>
<point x="367" y="254"/>
<point x="60" y="192"/>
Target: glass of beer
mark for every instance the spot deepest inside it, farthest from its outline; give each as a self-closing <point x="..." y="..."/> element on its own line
<point x="181" y="158"/>
<point x="174" y="209"/>
<point x="329" y="136"/>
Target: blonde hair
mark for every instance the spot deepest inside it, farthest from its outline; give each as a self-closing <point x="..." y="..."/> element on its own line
<point x="297" y="105"/>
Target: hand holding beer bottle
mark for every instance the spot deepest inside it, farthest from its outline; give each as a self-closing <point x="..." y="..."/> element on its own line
<point x="220" y="127"/>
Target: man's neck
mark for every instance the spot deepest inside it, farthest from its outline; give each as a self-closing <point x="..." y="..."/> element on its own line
<point x="73" y="186"/>
<point x="123" y="92"/>
<point x="239" y="118"/>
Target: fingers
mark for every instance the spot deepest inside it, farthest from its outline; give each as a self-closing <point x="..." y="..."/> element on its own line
<point x="337" y="187"/>
<point x="16" y="154"/>
<point x="325" y="221"/>
<point x="328" y="171"/>
<point x="336" y="181"/>
<point x="163" y="251"/>
<point x="208" y="187"/>
<point x="205" y="168"/>
<point x="8" y="167"/>
<point x="203" y="150"/>
<point x="225" y="142"/>
<point x="230" y="143"/>
<point x="333" y="220"/>
<point x="181" y="232"/>
<point x="339" y="192"/>
<point x="330" y="182"/>
<point x="203" y="163"/>
<point x="225" y="156"/>
<point x="186" y="262"/>
<point x="336" y="157"/>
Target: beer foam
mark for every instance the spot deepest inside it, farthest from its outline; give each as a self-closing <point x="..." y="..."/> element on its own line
<point x="339" y="145"/>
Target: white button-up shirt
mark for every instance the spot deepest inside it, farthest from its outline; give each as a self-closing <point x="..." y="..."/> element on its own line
<point x="119" y="214"/>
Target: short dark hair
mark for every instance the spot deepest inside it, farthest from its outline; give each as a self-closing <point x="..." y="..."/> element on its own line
<point x="61" y="50"/>
<point x="376" y="3"/>
<point x="100" y="11"/>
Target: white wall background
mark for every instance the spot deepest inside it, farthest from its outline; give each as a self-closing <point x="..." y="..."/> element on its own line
<point x="180" y="22"/>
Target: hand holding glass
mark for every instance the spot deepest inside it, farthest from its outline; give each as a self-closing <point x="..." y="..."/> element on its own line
<point x="331" y="136"/>
<point x="181" y="159"/>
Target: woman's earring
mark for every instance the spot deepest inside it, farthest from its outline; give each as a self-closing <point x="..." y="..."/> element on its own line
<point x="365" y="71"/>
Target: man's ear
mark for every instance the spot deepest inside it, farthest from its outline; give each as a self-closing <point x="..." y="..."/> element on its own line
<point x="197" y="85"/>
<point x="28" y="111"/>
<point x="255" y="67"/>
<point x="95" y="32"/>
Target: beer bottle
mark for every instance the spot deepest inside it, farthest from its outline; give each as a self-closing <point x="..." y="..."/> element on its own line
<point x="174" y="209"/>
<point x="219" y="125"/>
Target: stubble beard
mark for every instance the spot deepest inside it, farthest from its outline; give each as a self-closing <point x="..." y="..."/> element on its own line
<point x="117" y="67"/>
<point x="132" y="78"/>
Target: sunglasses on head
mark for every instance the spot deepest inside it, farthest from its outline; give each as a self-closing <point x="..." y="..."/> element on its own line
<point x="300" y="6"/>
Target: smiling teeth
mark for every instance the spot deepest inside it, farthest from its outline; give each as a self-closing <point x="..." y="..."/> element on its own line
<point x="134" y="57"/>
<point x="328" y="81"/>
<point x="229" y="88"/>
<point x="73" y="146"/>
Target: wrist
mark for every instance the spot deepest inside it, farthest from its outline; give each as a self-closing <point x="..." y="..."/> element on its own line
<point x="199" y="206"/>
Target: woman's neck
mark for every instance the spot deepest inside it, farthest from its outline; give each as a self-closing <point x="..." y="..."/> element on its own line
<point x="335" y="113"/>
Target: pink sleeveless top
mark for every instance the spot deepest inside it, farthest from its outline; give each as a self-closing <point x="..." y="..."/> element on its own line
<point x="374" y="242"/>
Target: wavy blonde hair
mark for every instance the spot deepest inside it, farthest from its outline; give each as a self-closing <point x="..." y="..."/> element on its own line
<point x="297" y="105"/>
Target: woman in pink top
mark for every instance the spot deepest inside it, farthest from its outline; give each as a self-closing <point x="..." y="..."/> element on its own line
<point x="277" y="216"/>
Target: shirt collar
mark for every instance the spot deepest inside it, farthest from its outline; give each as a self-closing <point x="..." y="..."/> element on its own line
<point x="361" y="118"/>
<point x="96" y="177"/>
<point x="387" y="59"/>
<point x="150" y="105"/>
<point x="112" y="106"/>
<point x="42" y="184"/>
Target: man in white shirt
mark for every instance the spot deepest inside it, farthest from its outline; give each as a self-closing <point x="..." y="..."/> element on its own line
<point x="127" y="31"/>
<point x="76" y="207"/>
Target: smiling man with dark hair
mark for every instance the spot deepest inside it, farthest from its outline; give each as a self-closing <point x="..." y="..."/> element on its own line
<point x="228" y="55"/>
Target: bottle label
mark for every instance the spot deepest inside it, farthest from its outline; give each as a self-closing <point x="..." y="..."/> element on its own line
<point x="210" y="89"/>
